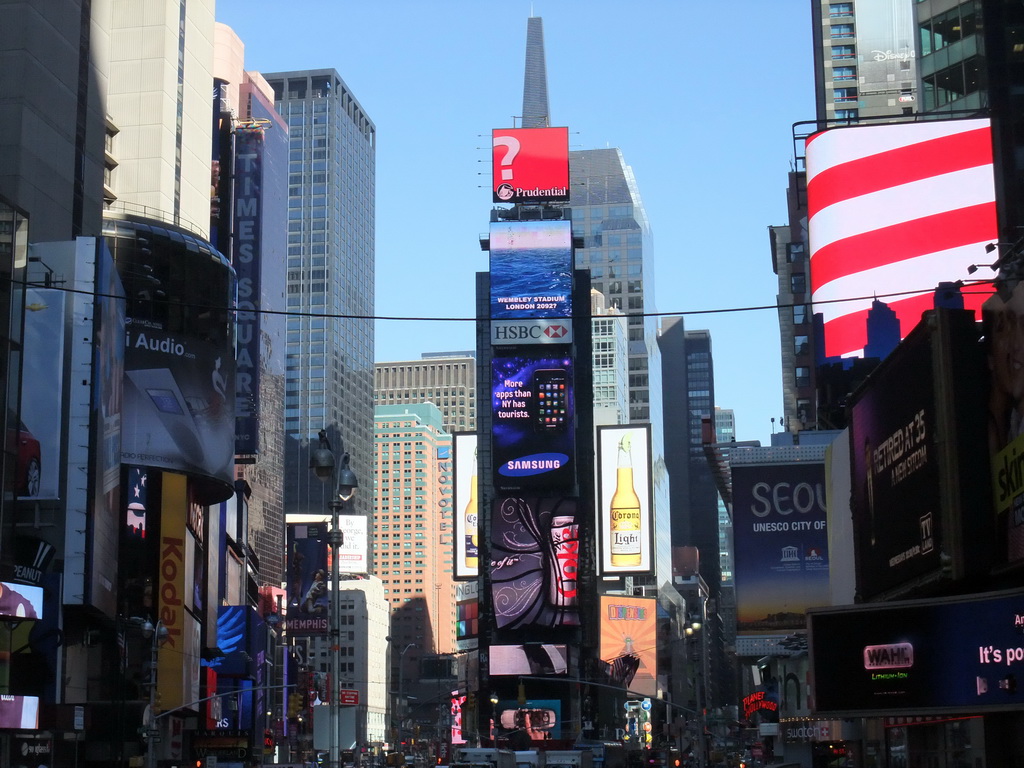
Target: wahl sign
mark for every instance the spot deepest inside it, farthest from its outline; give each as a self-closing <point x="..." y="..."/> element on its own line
<point x="531" y="331"/>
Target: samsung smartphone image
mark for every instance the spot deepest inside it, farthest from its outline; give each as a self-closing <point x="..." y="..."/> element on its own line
<point x="550" y="400"/>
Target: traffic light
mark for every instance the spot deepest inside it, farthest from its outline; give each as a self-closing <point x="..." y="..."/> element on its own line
<point x="268" y="739"/>
<point x="294" y="704"/>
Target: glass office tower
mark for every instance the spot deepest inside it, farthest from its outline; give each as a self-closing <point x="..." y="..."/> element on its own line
<point x="329" y="353"/>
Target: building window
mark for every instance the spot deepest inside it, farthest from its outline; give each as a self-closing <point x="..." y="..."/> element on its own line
<point x="803" y="376"/>
<point x="801" y="345"/>
<point x="844" y="73"/>
<point x="843" y="52"/>
<point x="795" y="252"/>
<point x="840" y="9"/>
<point x="798" y="283"/>
<point x="799" y="314"/>
<point x="844" y="94"/>
<point x="840" y="31"/>
<point x="846" y="114"/>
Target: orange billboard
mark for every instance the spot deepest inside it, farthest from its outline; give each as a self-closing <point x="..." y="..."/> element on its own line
<point x="629" y="642"/>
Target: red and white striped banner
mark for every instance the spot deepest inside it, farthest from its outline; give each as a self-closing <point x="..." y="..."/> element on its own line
<point x="893" y="208"/>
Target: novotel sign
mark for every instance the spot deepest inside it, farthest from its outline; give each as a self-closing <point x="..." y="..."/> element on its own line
<point x="531" y="331"/>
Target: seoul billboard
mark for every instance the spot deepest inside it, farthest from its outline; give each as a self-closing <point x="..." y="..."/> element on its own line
<point x="531" y="271"/>
<point x="533" y="433"/>
<point x="963" y="654"/>
<point x="896" y="209"/>
<point x="534" y="559"/>
<point x="530" y="165"/>
<point x="626" y="520"/>
<point x="781" y="545"/>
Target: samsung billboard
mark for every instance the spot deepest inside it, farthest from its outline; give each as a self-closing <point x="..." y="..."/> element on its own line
<point x="532" y="407"/>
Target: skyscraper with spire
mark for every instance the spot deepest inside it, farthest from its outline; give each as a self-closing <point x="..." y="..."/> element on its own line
<point x="535" y="79"/>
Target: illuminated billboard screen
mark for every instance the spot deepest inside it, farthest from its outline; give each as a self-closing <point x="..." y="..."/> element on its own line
<point x="20" y="601"/>
<point x="308" y="582"/>
<point x="19" y="712"/>
<point x="629" y="642"/>
<point x="959" y="654"/>
<point x="530" y="165"/>
<point x="530" y="659"/>
<point x="1003" y="318"/>
<point x="780" y="539"/>
<point x="531" y="269"/>
<point x="465" y="506"/>
<point x="532" y="405"/>
<point x="894" y="453"/>
<point x="539" y="719"/>
<point x="534" y="562"/>
<point x="896" y="208"/>
<point x="624" y="492"/>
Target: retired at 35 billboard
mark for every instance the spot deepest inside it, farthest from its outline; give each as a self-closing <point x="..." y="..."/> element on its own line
<point x="530" y="165"/>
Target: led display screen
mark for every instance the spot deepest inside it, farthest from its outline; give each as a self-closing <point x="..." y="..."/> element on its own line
<point x="529" y="659"/>
<point x="894" y="452"/>
<point x="465" y="506"/>
<point x="629" y="642"/>
<point x="780" y="537"/>
<point x="530" y="165"/>
<point x="895" y="208"/>
<point x="624" y="483"/>
<point x="532" y="404"/>
<point x="963" y="654"/>
<point x="534" y="561"/>
<point x="531" y="269"/>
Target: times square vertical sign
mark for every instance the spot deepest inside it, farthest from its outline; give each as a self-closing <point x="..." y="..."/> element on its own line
<point x="246" y="261"/>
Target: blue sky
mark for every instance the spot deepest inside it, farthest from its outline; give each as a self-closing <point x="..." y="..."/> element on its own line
<point x="699" y="96"/>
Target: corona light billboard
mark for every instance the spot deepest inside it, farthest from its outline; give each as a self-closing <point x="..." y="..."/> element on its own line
<point x="465" y="506"/>
<point x="530" y="165"/>
<point x="624" y="491"/>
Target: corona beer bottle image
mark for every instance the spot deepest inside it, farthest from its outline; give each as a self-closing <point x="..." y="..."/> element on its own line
<point x="624" y="514"/>
<point x="469" y="518"/>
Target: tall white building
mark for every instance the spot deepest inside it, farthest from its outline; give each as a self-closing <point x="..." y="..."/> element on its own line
<point x="159" y="99"/>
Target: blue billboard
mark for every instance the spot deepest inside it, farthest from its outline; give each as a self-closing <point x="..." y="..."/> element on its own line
<point x="533" y="428"/>
<point x="531" y="269"/>
<point x="780" y="536"/>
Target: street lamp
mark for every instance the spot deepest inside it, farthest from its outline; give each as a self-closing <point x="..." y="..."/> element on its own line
<point x="158" y="636"/>
<point x="401" y="688"/>
<point x="344" y="486"/>
<point x="494" y="718"/>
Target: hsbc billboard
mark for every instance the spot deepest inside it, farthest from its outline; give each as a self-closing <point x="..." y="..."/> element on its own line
<point x="531" y="331"/>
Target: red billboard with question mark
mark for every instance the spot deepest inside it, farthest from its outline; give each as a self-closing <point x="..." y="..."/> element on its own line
<point x="530" y="165"/>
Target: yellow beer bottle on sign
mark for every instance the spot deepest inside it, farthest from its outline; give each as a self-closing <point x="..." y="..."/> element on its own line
<point x="626" y="542"/>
